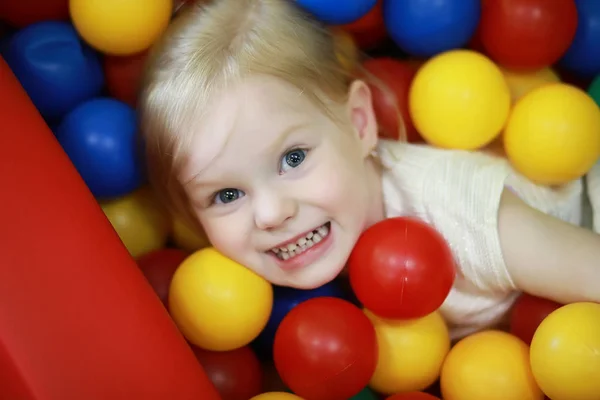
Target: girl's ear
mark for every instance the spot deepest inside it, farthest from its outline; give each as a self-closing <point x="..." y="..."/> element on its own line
<point x="362" y="115"/>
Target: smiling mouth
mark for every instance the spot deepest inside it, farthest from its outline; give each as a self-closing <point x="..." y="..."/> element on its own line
<point x="304" y="243"/>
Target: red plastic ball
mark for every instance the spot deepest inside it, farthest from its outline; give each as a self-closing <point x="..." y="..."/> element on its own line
<point x="401" y="268"/>
<point x="528" y="313"/>
<point x="158" y="267"/>
<point x="236" y="374"/>
<point x="325" y="349"/>
<point x="397" y="76"/>
<point x="527" y="34"/>
<point x="369" y="31"/>
<point x="123" y="74"/>
<point x="412" y="396"/>
<point x="20" y="13"/>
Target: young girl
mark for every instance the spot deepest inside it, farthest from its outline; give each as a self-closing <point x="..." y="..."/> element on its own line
<point x="256" y="131"/>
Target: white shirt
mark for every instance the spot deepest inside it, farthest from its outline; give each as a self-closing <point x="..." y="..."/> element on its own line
<point x="458" y="193"/>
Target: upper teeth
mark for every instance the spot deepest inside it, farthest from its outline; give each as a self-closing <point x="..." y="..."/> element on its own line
<point x="303" y="243"/>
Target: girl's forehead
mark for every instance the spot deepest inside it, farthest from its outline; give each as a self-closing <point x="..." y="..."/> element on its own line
<point x="248" y="118"/>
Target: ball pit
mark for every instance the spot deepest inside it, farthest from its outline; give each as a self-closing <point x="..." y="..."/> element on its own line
<point x="81" y="73"/>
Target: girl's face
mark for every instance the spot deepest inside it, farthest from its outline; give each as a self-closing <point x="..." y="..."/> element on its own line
<point x="281" y="188"/>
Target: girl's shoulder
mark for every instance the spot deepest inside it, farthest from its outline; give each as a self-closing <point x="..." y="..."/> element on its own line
<point x="459" y="193"/>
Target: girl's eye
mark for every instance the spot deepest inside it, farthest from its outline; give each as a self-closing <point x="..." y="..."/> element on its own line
<point x="228" y="195"/>
<point x="292" y="159"/>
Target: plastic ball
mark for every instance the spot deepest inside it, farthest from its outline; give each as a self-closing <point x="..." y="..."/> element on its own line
<point x="553" y="134"/>
<point x="565" y="353"/>
<point x="100" y="138"/>
<point x="527" y="314"/>
<point x="139" y="220"/>
<point x="236" y="374"/>
<point x="123" y="74"/>
<point x="582" y="57"/>
<point x="424" y="28"/>
<point x="120" y="27"/>
<point x="365" y="394"/>
<point x="594" y="90"/>
<point x="411" y="353"/>
<point x="285" y="299"/>
<point x="334" y="12"/>
<point x="187" y="238"/>
<point x="56" y="69"/>
<point x="346" y="50"/>
<point x="217" y="303"/>
<point x="390" y="102"/>
<point x="325" y="349"/>
<point x="491" y="365"/>
<point x="459" y="99"/>
<point x="528" y="34"/>
<point x="276" y="396"/>
<point x="26" y="12"/>
<point x="521" y="83"/>
<point x="401" y="268"/>
<point x="158" y="267"/>
<point x="369" y="31"/>
<point x="412" y="396"/>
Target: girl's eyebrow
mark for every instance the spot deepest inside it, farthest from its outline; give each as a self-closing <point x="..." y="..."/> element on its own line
<point x="282" y="137"/>
<point x="199" y="180"/>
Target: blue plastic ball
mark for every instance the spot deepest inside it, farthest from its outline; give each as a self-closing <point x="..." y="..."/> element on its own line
<point x="99" y="136"/>
<point x="55" y="67"/>
<point x="337" y="12"/>
<point x="424" y="28"/>
<point x="284" y="299"/>
<point x="583" y="56"/>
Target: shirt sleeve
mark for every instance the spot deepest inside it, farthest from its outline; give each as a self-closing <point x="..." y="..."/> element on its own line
<point x="461" y="197"/>
<point x="593" y="189"/>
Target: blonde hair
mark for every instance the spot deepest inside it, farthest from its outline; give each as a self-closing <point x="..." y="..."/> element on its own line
<point x="211" y="45"/>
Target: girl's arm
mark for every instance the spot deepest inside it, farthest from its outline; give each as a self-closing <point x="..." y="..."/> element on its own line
<point x="547" y="257"/>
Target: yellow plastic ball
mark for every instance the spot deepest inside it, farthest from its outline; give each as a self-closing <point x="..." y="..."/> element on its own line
<point x="521" y="83"/>
<point x="565" y="353"/>
<point x="120" y="27"/>
<point x="346" y="49"/>
<point x="217" y="303"/>
<point x="276" y="396"/>
<point x="459" y="99"/>
<point x="411" y="353"/>
<point x="553" y="134"/>
<point x="187" y="239"/>
<point x="139" y="220"/>
<point x="491" y="365"/>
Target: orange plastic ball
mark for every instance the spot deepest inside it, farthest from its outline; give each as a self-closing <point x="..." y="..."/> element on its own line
<point x="491" y="365"/>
